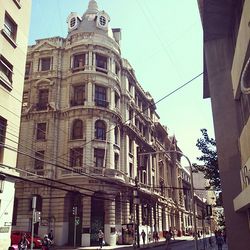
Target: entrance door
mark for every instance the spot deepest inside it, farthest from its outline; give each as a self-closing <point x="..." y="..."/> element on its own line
<point x="71" y="234"/>
<point x="97" y="219"/>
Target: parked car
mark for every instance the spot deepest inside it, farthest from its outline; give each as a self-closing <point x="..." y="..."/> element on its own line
<point x="17" y="235"/>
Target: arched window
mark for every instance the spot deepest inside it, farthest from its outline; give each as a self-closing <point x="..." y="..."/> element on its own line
<point x="100" y="130"/>
<point x="77" y="129"/>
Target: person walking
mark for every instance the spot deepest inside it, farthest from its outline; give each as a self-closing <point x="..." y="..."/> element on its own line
<point x="46" y="243"/>
<point x="51" y="236"/>
<point x="23" y="243"/>
<point x="100" y="238"/>
<point x="219" y="241"/>
<point x="143" y="235"/>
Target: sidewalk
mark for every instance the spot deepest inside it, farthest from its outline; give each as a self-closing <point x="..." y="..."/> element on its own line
<point x="151" y="245"/>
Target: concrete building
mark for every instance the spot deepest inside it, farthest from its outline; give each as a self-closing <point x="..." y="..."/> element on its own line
<point x="226" y="81"/>
<point x="85" y="122"/>
<point x="14" y="26"/>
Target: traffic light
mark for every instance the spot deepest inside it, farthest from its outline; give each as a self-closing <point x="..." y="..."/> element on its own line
<point x="74" y="210"/>
<point x="37" y="216"/>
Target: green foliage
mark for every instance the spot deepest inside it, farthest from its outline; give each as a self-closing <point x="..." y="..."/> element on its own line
<point x="207" y="146"/>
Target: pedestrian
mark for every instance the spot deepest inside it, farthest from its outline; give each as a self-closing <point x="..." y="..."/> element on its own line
<point x="219" y="241"/>
<point x="149" y="236"/>
<point x="225" y="235"/>
<point x="46" y="243"/>
<point x="143" y="235"/>
<point x="210" y="241"/>
<point x="23" y="243"/>
<point x="100" y="238"/>
<point x="51" y="236"/>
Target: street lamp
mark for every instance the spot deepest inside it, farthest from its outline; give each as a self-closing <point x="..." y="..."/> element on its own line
<point x="2" y="179"/>
<point x="192" y="187"/>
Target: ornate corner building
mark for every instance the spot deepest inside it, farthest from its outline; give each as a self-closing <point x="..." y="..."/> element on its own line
<point x="86" y="122"/>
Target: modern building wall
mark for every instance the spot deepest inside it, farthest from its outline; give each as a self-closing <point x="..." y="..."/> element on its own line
<point x="14" y="29"/>
<point x="226" y="50"/>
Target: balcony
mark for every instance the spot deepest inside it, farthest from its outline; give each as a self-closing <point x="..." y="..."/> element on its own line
<point x="94" y="171"/>
<point x="34" y="174"/>
<point x="74" y="103"/>
<point x="41" y="106"/>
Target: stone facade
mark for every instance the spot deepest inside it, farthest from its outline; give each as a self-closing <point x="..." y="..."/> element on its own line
<point x="85" y="123"/>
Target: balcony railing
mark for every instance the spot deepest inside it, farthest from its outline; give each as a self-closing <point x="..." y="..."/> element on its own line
<point x="101" y="103"/>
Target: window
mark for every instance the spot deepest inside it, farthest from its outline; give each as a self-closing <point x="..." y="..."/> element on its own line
<point x="3" y="126"/>
<point x="25" y="99"/>
<point x="45" y="63"/>
<point x="6" y="72"/>
<point x="78" y="95"/>
<point x="100" y="130"/>
<point x="117" y="69"/>
<point x="116" y="131"/>
<point x="17" y="2"/>
<point x="101" y="63"/>
<point x="117" y="100"/>
<point x="130" y="146"/>
<point x="41" y="131"/>
<point x="131" y="114"/>
<point x="72" y="22"/>
<point x="77" y="129"/>
<point x="27" y="70"/>
<point x="10" y="27"/>
<point x="78" y="62"/>
<point x="116" y="161"/>
<point x="131" y="170"/>
<point x="39" y="160"/>
<point x="100" y="96"/>
<point x="43" y="97"/>
<point x="99" y="157"/>
<point x="76" y="157"/>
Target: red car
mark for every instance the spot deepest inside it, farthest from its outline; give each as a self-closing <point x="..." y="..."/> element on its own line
<point x="17" y="235"/>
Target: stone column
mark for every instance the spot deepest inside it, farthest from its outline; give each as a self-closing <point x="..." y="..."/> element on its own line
<point x="109" y="226"/>
<point x="164" y="219"/>
<point x="90" y="101"/>
<point x="86" y="221"/>
<point x="125" y="212"/>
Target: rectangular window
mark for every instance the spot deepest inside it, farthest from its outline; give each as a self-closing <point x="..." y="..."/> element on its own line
<point x="116" y="161"/>
<point x="101" y="64"/>
<point x="10" y="27"/>
<point x="99" y="157"/>
<point x="25" y="99"/>
<point x="78" y="95"/>
<point x="6" y="72"/>
<point x="45" y="63"/>
<point x="100" y="96"/>
<point x="43" y="97"/>
<point x="27" y="70"/>
<point x="41" y="131"/>
<point x="131" y="170"/>
<point x="76" y="157"/>
<point x="117" y="100"/>
<point x="78" y="62"/>
<point x="39" y="160"/>
<point x="3" y="126"/>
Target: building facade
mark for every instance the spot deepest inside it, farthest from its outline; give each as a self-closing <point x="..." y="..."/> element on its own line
<point x="85" y="123"/>
<point x="14" y="25"/>
<point x="226" y="81"/>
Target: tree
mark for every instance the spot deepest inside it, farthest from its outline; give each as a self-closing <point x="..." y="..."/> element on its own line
<point x="210" y="168"/>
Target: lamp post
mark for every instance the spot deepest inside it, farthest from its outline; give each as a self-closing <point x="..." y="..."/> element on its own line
<point x="192" y="187"/>
<point x="136" y="203"/>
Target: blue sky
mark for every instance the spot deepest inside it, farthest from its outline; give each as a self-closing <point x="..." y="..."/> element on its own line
<point x="162" y="39"/>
